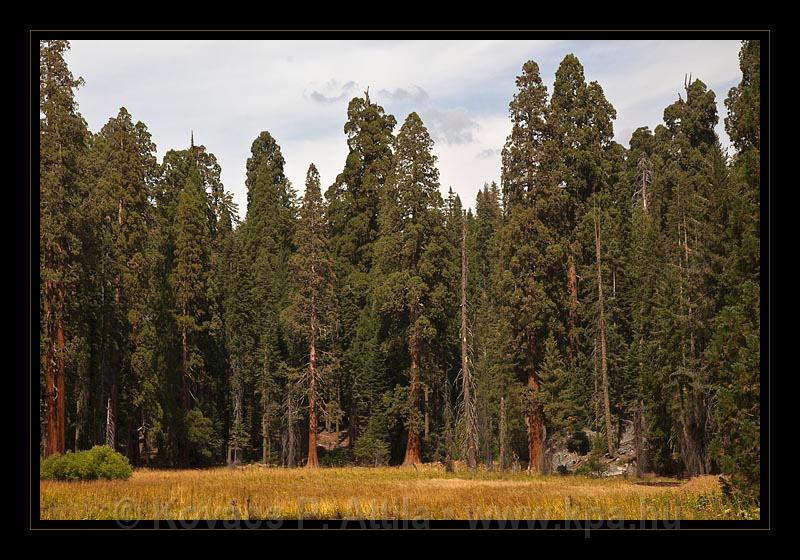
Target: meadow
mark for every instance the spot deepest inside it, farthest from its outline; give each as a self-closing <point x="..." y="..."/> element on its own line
<point x="428" y="492"/>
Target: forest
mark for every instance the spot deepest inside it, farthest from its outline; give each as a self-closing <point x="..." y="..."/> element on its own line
<point x="596" y="286"/>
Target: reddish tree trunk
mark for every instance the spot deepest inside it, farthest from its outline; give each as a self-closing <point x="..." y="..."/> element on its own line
<point x="413" y="444"/>
<point x="533" y="422"/>
<point x="312" y="407"/>
<point x="54" y="400"/>
<point x="533" y="416"/>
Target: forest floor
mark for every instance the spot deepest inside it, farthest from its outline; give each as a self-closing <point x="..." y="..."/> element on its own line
<point x="257" y="492"/>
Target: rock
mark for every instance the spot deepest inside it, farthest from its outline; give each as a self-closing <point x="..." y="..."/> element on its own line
<point x="562" y="458"/>
<point x="616" y="470"/>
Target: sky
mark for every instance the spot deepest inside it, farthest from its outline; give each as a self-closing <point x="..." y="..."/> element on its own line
<point x="227" y="92"/>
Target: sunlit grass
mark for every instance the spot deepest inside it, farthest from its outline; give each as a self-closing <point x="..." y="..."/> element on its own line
<point x="256" y="492"/>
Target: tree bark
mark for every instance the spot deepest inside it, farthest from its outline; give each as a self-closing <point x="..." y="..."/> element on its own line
<point x="572" y="313"/>
<point x="469" y="404"/>
<point x="55" y="437"/>
<point x="448" y="428"/>
<point x="503" y="439"/>
<point x="533" y="422"/>
<point x="183" y="451"/>
<point x="111" y="414"/>
<point x="290" y="446"/>
<point x="60" y="386"/>
<point x="603" y="362"/>
<point x="265" y="450"/>
<point x="639" y="428"/>
<point x="426" y="392"/>
<point x="311" y="462"/>
<point x="413" y="443"/>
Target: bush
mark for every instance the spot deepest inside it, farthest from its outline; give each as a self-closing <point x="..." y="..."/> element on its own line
<point x="335" y="457"/>
<point x="371" y="450"/>
<point x="98" y="462"/>
<point x="203" y="438"/>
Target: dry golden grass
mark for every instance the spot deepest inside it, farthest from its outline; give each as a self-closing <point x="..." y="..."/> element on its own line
<point x="256" y="492"/>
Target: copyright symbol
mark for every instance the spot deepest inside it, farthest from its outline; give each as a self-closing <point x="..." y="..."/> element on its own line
<point x="123" y="513"/>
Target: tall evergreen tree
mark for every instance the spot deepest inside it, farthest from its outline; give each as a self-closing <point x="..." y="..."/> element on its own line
<point x="311" y="314"/>
<point x="190" y="280"/>
<point x="126" y="171"/>
<point x="686" y="303"/>
<point x="354" y="201"/>
<point x="734" y="348"/>
<point x="267" y="234"/>
<point x="529" y="245"/>
<point x="585" y="159"/>
<point x="63" y="140"/>
<point x="408" y="289"/>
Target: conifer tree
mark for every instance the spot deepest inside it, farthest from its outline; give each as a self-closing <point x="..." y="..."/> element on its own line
<point x="734" y="347"/>
<point x="686" y="304"/>
<point x="492" y="372"/>
<point x="126" y="171"/>
<point x="408" y="290"/>
<point x="354" y="201"/>
<point x="189" y="280"/>
<point x="529" y="246"/>
<point x="267" y="235"/>
<point x="311" y="314"/>
<point x="63" y="140"/>
<point x="586" y="162"/>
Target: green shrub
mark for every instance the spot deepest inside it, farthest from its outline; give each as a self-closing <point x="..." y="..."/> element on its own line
<point x="593" y="466"/>
<point x="370" y="450"/>
<point x="335" y="457"/>
<point x="203" y="438"/>
<point x="98" y="462"/>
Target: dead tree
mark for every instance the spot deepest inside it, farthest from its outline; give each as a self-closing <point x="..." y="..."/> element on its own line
<point x="645" y="177"/>
<point x="602" y="325"/>
<point x="470" y="427"/>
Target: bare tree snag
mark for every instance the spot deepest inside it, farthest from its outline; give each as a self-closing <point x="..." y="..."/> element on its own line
<point x="603" y="362"/>
<point x="183" y="452"/>
<point x="572" y="313"/>
<point x="111" y="412"/>
<point x="643" y="167"/>
<point x="469" y="402"/>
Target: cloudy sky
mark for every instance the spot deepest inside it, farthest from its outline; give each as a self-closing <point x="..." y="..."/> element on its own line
<point x="229" y="91"/>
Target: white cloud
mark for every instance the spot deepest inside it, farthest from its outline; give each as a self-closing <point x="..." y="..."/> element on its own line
<point x="229" y="91"/>
<point x="462" y="169"/>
